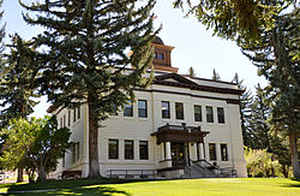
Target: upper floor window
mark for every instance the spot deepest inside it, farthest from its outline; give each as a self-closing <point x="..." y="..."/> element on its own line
<point x="209" y="114"/>
<point x="179" y="111"/>
<point x="212" y="152"/>
<point x="128" y="109"/>
<point x="144" y="154"/>
<point x="78" y="113"/>
<point x="197" y="113"/>
<point x="69" y="117"/>
<point x="165" y="109"/>
<point x="224" y="152"/>
<point x="142" y="108"/>
<point x="74" y="115"/>
<point x="113" y="149"/>
<point x="129" y="149"/>
<point x="221" y="118"/>
<point x="159" y="55"/>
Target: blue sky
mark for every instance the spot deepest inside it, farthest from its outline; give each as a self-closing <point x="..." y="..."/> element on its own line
<point x="194" y="45"/>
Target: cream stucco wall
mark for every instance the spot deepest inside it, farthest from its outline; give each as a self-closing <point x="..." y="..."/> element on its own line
<point x="137" y="129"/>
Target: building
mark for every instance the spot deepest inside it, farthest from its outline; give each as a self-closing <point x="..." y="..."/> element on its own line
<point x="175" y="123"/>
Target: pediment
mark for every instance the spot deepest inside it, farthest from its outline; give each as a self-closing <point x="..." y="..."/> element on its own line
<point x="175" y="79"/>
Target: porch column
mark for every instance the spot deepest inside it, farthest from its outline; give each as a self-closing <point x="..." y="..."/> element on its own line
<point x="201" y="150"/>
<point x="168" y="151"/>
<point x="162" y="146"/>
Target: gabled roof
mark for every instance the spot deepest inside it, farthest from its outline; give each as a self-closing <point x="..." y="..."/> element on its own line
<point x="176" y="80"/>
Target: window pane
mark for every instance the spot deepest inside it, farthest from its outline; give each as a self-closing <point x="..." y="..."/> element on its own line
<point x="224" y="152"/>
<point x="179" y="111"/>
<point x="197" y="113"/>
<point x="209" y="114"/>
<point x="113" y="149"/>
<point x="69" y="117"/>
<point x="212" y="152"/>
<point x="78" y="112"/>
<point x="74" y="115"/>
<point x="165" y="109"/>
<point x="129" y="149"/>
<point x="144" y="154"/>
<point x="128" y="109"/>
<point x="142" y="108"/>
<point x="221" y="118"/>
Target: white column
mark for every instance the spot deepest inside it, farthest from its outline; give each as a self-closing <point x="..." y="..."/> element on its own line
<point x="168" y="151"/>
<point x="201" y="150"/>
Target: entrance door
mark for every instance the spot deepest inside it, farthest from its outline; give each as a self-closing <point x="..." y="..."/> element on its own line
<point x="178" y="154"/>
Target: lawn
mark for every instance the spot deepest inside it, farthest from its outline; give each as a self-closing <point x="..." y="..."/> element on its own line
<point x="196" y="187"/>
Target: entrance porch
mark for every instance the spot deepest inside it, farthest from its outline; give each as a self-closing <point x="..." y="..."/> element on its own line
<point x="180" y="146"/>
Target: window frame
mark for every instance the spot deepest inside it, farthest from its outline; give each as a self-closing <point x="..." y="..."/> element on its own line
<point x="224" y="157"/>
<point x="110" y="152"/>
<point x="208" y="119"/>
<point x="130" y="155"/>
<point x="179" y="111"/>
<point x="143" y="109"/>
<point x="168" y="116"/>
<point x="212" y="154"/>
<point x="144" y="156"/>
<point x="129" y="103"/>
<point x="200" y="114"/>
<point x="221" y="115"/>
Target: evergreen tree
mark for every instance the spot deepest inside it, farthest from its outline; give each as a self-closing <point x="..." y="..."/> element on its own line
<point x="18" y="86"/>
<point x="246" y="100"/>
<point x="215" y="76"/>
<point x="87" y="60"/>
<point x="232" y="19"/>
<point x="277" y="56"/>
<point x="191" y="72"/>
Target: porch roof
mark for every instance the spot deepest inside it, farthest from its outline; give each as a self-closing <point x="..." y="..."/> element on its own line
<point x="179" y="133"/>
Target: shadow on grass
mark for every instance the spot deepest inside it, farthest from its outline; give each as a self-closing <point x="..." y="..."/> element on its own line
<point x="99" y="191"/>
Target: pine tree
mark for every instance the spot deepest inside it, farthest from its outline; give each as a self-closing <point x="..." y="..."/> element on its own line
<point x="191" y="72"/>
<point x="277" y="56"/>
<point x="246" y="100"/>
<point x="87" y="59"/>
<point x="215" y="76"/>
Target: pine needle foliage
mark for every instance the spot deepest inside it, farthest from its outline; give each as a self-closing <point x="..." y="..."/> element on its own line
<point x="86" y="61"/>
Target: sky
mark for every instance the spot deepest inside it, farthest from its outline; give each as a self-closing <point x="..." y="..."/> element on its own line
<point x="194" y="45"/>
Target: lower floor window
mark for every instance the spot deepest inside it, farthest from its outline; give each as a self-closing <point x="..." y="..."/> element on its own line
<point x="144" y="154"/>
<point x="113" y="149"/>
<point x="224" y="152"/>
<point x="129" y="149"/>
<point x="75" y="152"/>
<point x="212" y="152"/>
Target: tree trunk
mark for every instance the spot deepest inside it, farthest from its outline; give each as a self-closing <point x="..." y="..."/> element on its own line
<point x="42" y="174"/>
<point x="94" y="171"/>
<point x="294" y="155"/>
<point x="20" y="175"/>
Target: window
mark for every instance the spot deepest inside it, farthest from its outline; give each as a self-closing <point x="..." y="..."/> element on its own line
<point x="74" y="115"/>
<point x="129" y="149"/>
<point x="78" y="113"/>
<point x="197" y="113"/>
<point x="221" y="118"/>
<point x="75" y="152"/>
<point x="144" y="154"/>
<point x="165" y="109"/>
<point x="159" y="56"/>
<point x="224" y="152"/>
<point x="212" y="152"/>
<point x="61" y="123"/>
<point x="128" y="109"/>
<point x="179" y="111"/>
<point x="64" y="160"/>
<point x="69" y="117"/>
<point x="64" y="120"/>
<point x="209" y="114"/>
<point x="142" y="108"/>
<point x="113" y="149"/>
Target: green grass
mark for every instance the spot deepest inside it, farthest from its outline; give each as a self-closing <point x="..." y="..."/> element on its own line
<point x="198" y="187"/>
